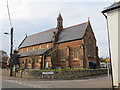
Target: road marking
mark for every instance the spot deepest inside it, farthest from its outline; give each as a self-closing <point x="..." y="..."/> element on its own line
<point x="22" y="83"/>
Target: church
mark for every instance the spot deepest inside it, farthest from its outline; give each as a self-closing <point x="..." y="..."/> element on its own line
<point x="59" y="47"/>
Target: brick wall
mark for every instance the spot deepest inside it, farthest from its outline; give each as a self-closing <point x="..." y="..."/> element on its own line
<point x="72" y="45"/>
<point x="41" y="46"/>
<point x="27" y="62"/>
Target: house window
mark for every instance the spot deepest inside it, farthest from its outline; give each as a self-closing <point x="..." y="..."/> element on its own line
<point x="62" y="54"/>
<point x="75" y="53"/>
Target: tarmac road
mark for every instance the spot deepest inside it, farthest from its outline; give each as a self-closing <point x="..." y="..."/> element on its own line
<point x="8" y="84"/>
<point x="100" y="81"/>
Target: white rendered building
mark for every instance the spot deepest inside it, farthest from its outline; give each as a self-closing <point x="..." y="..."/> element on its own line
<point x="113" y="20"/>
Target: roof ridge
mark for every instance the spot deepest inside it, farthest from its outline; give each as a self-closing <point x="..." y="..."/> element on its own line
<point x="76" y="25"/>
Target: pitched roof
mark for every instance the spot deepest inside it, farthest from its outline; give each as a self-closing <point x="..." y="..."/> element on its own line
<point x="34" y="52"/>
<point x="67" y="34"/>
<point x="38" y="38"/>
<point x="72" y="33"/>
<point x="112" y="7"/>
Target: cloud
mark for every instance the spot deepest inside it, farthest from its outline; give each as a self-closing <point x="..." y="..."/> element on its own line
<point x="0" y="39"/>
<point x="29" y="17"/>
<point x="102" y="42"/>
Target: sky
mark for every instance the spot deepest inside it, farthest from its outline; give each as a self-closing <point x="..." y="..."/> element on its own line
<point x="33" y="16"/>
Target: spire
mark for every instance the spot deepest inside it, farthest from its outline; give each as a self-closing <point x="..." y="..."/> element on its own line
<point x="58" y="30"/>
<point x="59" y="16"/>
<point x="88" y="20"/>
<point x="59" y="21"/>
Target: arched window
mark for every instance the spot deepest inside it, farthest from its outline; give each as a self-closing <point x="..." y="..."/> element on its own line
<point x="68" y="50"/>
<point x="75" y="53"/>
<point x="47" y="45"/>
<point x="26" y="49"/>
<point x="62" y="54"/>
<point x="29" y="61"/>
<point x="40" y="57"/>
<point x="33" y="48"/>
<point x="90" y="47"/>
<point x="23" y="62"/>
<point x="39" y="47"/>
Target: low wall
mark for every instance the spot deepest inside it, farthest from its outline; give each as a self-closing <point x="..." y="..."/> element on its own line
<point x="66" y="74"/>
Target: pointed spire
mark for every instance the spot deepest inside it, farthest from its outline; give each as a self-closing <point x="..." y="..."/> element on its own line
<point x="59" y="17"/>
<point x="88" y="19"/>
<point x="59" y="21"/>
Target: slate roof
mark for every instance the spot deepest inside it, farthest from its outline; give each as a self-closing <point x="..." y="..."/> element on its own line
<point x="70" y="33"/>
<point x="112" y="7"/>
<point x="34" y="52"/>
<point x="38" y="38"/>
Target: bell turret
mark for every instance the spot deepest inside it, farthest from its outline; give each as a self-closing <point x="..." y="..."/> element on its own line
<point x="59" y="22"/>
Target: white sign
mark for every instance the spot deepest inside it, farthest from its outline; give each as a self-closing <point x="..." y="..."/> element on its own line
<point x="47" y="72"/>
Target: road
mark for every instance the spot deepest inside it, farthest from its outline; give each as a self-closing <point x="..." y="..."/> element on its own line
<point x="100" y="81"/>
<point x="13" y="84"/>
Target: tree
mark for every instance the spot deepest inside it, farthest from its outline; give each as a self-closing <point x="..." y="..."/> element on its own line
<point x="3" y="58"/>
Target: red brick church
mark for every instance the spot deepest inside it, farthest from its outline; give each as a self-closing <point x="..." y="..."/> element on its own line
<point x="71" y="47"/>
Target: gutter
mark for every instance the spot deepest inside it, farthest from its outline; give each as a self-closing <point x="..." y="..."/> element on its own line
<point x="110" y="9"/>
<point x="115" y="7"/>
